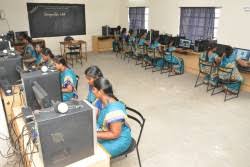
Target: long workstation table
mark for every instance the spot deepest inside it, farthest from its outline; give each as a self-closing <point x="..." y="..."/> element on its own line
<point x="191" y="61"/>
<point x="29" y="151"/>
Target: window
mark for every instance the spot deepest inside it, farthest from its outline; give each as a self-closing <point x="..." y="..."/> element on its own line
<point x="138" y="17"/>
<point x="199" y="22"/>
<point x="216" y="21"/>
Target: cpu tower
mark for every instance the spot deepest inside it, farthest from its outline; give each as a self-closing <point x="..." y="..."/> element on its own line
<point x="66" y="138"/>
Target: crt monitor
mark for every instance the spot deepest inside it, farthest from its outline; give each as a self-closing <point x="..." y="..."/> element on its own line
<point x="112" y="31"/>
<point x="9" y="65"/>
<point x="185" y="43"/>
<point x="49" y="81"/>
<point x="176" y="40"/>
<point x="5" y="45"/>
<point x="155" y="34"/>
<point x="243" y="53"/>
<point x="164" y="39"/>
<point x="18" y="34"/>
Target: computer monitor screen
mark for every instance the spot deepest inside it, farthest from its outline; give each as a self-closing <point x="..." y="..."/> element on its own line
<point x="185" y="43"/>
<point x="155" y="34"/>
<point x="5" y="45"/>
<point x="49" y="81"/>
<point x="112" y="31"/>
<point x="243" y="53"/>
<point x="177" y="40"/>
<point x="10" y="64"/>
<point x="18" y="34"/>
<point x="164" y="39"/>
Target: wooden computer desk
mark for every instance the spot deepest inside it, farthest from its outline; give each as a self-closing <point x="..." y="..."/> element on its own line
<point x="13" y="105"/>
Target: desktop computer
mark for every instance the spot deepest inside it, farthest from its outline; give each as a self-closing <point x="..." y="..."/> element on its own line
<point x="243" y="53"/>
<point x="41" y="88"/>
<point x="185" y="43"/>
<point x="65" y="138"/>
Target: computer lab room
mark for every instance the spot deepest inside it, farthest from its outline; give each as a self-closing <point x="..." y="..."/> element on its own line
<point x="124" y="83"/>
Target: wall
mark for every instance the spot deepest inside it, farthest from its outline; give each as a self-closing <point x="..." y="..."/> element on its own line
<point x="98" y="13"/>
<point x="164" y="15"/>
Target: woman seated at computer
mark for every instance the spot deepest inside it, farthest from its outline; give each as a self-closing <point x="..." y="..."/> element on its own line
<point x="155" y="55"/>
<point x="174" y="62"/>
<point x="113" y="132"/>
<point x="213" y="59"/>
<point x="38" y="55"/>
<point x="229" y="62"/>
<point x="29" y="51"/>
<point x="142" y="39"/>
<point x="47" y="58"/>
<point x="92" y="73"/>
<point x="68" y="79"/>
<point x="130" y="39"/>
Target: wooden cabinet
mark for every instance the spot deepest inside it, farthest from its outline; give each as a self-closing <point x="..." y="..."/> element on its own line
<point x="102" y="43"/>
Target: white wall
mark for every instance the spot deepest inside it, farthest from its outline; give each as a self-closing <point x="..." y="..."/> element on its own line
<point x="98" y="13"/>
<point x="164" y="15"/>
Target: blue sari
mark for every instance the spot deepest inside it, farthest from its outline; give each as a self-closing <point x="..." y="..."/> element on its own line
<point x="68" y="77"/>
<point x="174" y="60"/>
<point x="114" y="112"/>
<point x="38" y="58"/>
<point x="229" y="62"/>
<point x="93" y="100"/>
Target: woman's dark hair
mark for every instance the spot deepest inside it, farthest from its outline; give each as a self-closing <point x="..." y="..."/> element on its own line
<point x="141" y="34"/>
<point x="104" y="85"/>
<point x="94" y="72"/>
<point x="25" y="36"/>
<point x="118" y="28"/>
<point x="131" y="31"/>
<point x="47" y="52"/>
<point x="228" y="51"/>
<point x="124" y="30"/>
<point x="61" y="60"/>
<point x="210" y="47"/>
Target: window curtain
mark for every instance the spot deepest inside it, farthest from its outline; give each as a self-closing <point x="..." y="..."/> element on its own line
<point x="136" y="18"/>
<point x="197" y="23"/>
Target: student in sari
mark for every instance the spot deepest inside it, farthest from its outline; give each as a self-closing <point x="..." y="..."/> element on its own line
<point x="116" y="35"/>
<point x="142" y="39"/>
<point x="38" y="52"/>
<point x="212" y="58"/>
<point x="68" y="79"/>
<point x="228" y="62"/>
<point x="29" y="54"/>
<point x="123" y="35"/>
<point x="47" y="57"/>
<point x="92" y="73"/>
<point x="174" y="61"/>
<point x="113" y="132"/>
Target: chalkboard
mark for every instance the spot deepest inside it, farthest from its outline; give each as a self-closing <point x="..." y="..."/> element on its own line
<point x="51" y="19"/>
